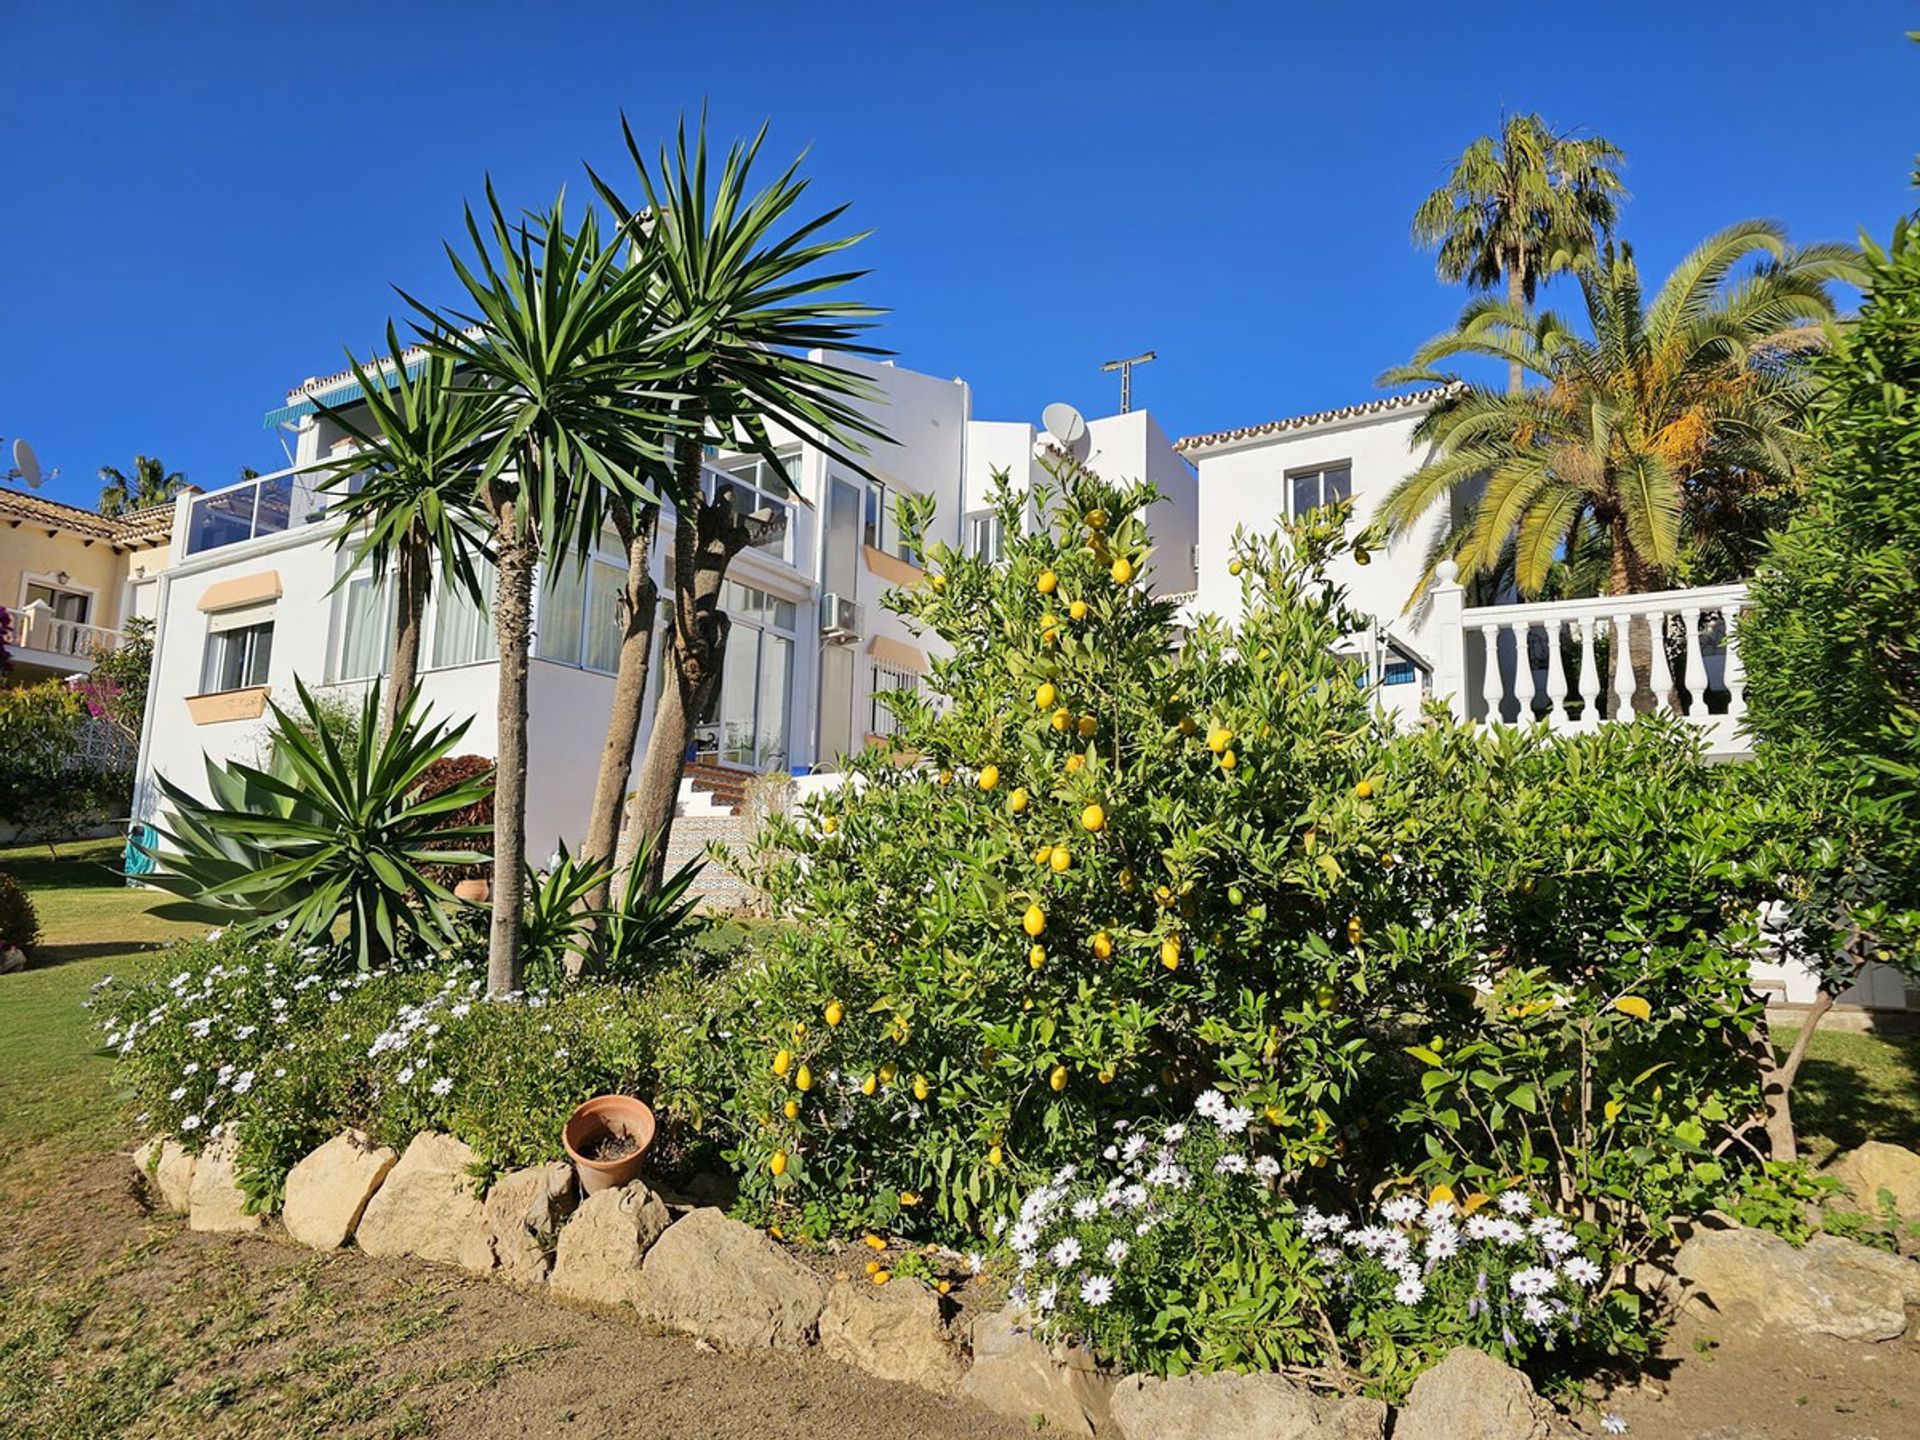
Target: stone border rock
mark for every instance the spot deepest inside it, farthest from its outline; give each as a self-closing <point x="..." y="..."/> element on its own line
<point x="729" y="1285"/>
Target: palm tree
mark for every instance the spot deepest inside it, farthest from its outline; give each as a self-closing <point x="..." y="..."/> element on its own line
<point x="1641" y="421"/>
<point x="150" y="484"/>
<point x="1519" y="207"/>
<point x="744" y="290"/>
<point x="415" y="499"/>
<point x="563" y="352"/>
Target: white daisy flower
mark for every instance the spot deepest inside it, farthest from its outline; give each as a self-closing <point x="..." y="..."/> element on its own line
<point x="1096" y="1290"/>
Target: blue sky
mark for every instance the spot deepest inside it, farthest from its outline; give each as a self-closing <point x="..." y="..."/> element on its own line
<point x="204" y="203"/>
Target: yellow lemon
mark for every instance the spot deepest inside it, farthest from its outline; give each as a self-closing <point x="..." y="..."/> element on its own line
<point x="1087" y="727"/>
<point x="783" y="1062"/>
<point x="1037" y="956"/>
<point x="1093" y="819"/>
<point x="1078" y="610"/>
<point x="803" y="1079"/>
<point x="1228" y="760"/>
<point x="1017" y="801"/>
<point x="1122" y="571"/>
<point x="993" y="1155"/>
<point x="1096" y="520"/>
<point x="1364" y="790"/>
<point x="920" y="1087"/>
<point x="1106" y="1077"/>
<point x="1045" y="696"/>
<point x="1234" y="567"/>
<point x="1075" y="764"/>
<point x="1103" y="946"/>
<point x="791" y="1109"/>
<point x="1050" y="628"/>
<point x="881" y="1277"/>
<point x="1047" y="582"/>
<point x="1127" y="881"/>
<point x="1170" y="952"/>
<point x="870" y="1084"/>
<point x="1218" y="738"/>
<point x="1043" y="855"/>
<point x="939" y="582"/>
<point x="829" y="825"/>
<point x="989" y="777"/>
<point x="1034" y="921"/>
<point x="1061" y="719"/>
<point x="874" y="1242"/>
<point x="1324" y="996"/>
<point x="873" y="1267"/>
<point x="943" y="1286"/>
<point x="778" y="1165"/>
<point x="835" y="1012"/>
<point x="1061" y="860"/>
<point x="1354" y="930"/>
<point x="1057" y="1081"/>
<point x="887" y="1072"/>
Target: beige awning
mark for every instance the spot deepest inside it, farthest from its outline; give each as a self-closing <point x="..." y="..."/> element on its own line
<point x="896" y="655"/>
<point x="242" y="590"/>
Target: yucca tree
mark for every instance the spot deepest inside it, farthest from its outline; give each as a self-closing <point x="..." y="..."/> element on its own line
<point x="563" y="348"/>
<point x="1520" y="206"/>
<point x="415" y="507"/>
<point x="150" y="484"/>
<point x="746" y="284"/>
<point x="1642" y="415"/>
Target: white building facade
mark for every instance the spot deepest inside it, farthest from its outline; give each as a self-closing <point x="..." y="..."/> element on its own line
<point x="260" y="593"/>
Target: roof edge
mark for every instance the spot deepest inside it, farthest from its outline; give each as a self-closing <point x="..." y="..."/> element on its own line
<point x="1193" y="445"/>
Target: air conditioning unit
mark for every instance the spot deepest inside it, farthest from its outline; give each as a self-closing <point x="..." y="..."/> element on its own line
<point x="841" y="619"/>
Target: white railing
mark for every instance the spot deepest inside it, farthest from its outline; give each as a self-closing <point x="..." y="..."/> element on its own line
<point x="1574" y="664"/>
<point x="36" y="627"/>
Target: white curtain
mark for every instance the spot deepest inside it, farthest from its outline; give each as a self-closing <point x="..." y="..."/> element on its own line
<point x="462" y="631"/>
<point x="366" y="627"/>
<point x="605" y="618"/>
<point x="561" y="605"/>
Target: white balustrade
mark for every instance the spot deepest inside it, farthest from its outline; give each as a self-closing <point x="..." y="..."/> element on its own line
<point x="36" y="627"/>
<point x="1589" y="657"/>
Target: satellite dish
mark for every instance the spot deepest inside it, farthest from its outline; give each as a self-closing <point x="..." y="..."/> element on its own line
<point x="1068" y="427"/>
<point x="27" y="463"/>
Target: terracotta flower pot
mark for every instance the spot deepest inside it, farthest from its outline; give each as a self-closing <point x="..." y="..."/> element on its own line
<point x="605" y="1122"/>
<point x="474" y="892"/>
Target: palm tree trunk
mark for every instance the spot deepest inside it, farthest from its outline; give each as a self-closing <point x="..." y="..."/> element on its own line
<point x="514" y="544"/>
<point x="637" y="529"/>
<point x="1517" y="298"/>
<point x="411" y="582"/>
<point x="706" y="537"/>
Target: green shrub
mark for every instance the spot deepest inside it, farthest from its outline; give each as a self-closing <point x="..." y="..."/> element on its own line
<point x="48" y="790"/>
<point x="19" y="920"/>
<point x="248" y="1033"/>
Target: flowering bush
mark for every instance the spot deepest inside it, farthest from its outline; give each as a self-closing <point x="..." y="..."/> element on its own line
<point x="248" y="1034"/>
<point x="1178" y="1254"/>
<point x="1182" y="1253"/>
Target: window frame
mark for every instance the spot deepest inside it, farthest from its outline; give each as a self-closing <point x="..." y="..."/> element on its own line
<point x="220" y="642"/>
<point x="1292" y="477"/>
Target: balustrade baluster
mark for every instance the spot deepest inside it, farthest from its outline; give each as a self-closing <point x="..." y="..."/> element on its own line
<point x="1526" y="697"/>
<point x="1557" y="715"/>
<point x="1736" y="672"/>
<point x="1589" y="672"/>
<point x="1623" y="677"/>
<point x="1695" y="673"/>
<point x="1659" y="673"/>
<point x="1492" y="689"/>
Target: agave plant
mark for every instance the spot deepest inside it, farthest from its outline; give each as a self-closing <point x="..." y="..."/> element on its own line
<point x="563" y="933"/>
<point x="334" y="828"/>
<point x="643" y="923"/>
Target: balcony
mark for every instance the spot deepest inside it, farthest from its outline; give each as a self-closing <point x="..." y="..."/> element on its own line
<point x="42" y="640"/>
<point x="267" y="505"/>
<point x="1576" y="664"/>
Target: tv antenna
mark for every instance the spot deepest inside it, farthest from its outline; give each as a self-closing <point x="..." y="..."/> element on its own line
<point x="26" y="465"/>
<point x="1125" y="367"/>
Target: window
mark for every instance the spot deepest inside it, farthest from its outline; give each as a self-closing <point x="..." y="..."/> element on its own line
<point x="759" y="491"/>
<point x="463" y="631"/>
<point x="882" y="524"/>
<point x="986" y="537"/>
<point x="72" y="605"/>
<point x="1313" y="489"/>
<point x="886" y="681"/>
<point x="239" y="650"/>
<point x="747" y="721"/>
<point x="563" y="608"/>
<point x="1398" y="672"/>
<point x="366" y="626"/>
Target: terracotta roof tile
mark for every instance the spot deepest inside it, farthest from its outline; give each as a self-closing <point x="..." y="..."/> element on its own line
<point x="1385" y="405"/>
<point x="148" y="525"/>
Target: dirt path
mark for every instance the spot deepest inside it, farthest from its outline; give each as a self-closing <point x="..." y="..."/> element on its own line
<point x="116" y="1322"/>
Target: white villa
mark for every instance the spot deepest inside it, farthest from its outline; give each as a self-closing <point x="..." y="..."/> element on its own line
<point x="251" y="599"/>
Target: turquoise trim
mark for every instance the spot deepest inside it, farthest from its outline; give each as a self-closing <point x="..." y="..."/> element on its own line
<point x="333" y="394"/>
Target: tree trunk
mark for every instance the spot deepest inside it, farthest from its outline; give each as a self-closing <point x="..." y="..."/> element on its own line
<point x="1776" y="1081"/>
<point x="1517" y="298"/>
<point x="411" y="581"/>
<point x="514" y="544"/>
<point x="641" y="596"/>
<point x="706" y="537"/>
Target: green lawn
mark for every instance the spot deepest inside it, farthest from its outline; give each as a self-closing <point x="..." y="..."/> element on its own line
<point x="55" y="1100"/>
